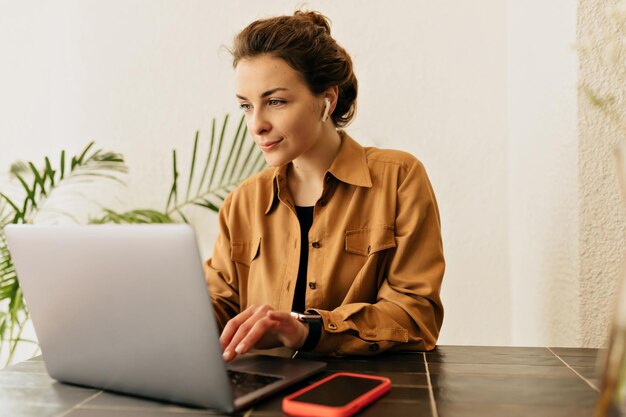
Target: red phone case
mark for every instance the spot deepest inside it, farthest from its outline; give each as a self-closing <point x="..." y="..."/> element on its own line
<point x="304" y="409"/>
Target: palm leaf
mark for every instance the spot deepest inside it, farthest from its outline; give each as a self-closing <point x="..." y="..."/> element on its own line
<point x="193" y="163"/>
<point x="209" y="155"/>
<point x="210" y="191"/>
<point x="133" y="216"/>
<point x="17" y="213"/>
<point x="219" y="150"/>
<point x="9" y="292"/>
<point x="37" y="186"/>
<point x="231" y="151"/>
<point x="49" y="172"/>
<point x="234" y="169"/>
<point x="241" y="140"/>
<point x="172" y="198"/>
<point x="62" y="164"/>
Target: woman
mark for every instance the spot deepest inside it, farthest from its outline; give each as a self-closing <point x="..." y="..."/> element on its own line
<point x="348" y="235"/>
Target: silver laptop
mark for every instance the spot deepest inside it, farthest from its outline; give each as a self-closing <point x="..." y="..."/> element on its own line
<point x="127" y="309"/>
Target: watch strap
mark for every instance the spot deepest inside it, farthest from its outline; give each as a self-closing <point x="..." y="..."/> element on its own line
<point x="315" y="332"/>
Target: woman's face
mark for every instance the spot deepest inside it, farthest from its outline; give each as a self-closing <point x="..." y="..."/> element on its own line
<point x="282" y="115"/>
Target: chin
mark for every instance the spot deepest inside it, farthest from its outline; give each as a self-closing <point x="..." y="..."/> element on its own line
<point x="275" y="160"/>
<point x="279" y="157"/>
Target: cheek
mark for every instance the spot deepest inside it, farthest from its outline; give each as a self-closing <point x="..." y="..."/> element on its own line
<point x="249" y="129"/>
<point x="303" y="119"/>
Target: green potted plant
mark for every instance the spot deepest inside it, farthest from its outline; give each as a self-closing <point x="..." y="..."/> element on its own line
<point x="207" y="184"/>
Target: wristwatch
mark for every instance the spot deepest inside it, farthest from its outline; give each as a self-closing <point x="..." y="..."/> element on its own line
<point x="314" y="322"/>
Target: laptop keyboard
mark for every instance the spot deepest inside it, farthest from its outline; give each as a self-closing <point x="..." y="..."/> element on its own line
<point x="243" y="383"/>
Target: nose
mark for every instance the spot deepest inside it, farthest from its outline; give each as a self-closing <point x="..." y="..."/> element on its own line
<point x="259" y="124"/>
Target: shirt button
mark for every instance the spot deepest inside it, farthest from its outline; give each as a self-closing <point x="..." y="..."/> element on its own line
<point x="373" y="347"/>
<point x="312" y="285"/>
<point x="322" y="203"/>
<point x="332" y="326"/>
<point x="316" y="244"/>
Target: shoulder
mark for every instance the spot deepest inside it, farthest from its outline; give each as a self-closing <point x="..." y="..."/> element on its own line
<point x="400" y="160"/>
<point x="260" y="179"/>
<point x="252" y="190"/>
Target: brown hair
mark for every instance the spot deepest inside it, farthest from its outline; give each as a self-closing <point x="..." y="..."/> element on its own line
<point x="304" y="42"/>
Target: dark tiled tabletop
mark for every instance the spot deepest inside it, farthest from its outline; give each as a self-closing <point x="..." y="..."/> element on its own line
<point x="455" y="381"/>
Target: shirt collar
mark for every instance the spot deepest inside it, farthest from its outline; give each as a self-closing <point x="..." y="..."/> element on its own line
<point x="350" y="166"/>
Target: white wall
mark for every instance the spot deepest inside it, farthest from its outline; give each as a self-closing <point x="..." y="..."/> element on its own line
<point x="438" y="79"/>
<point x="542" y="170"/>
<point x="602" y="214"/>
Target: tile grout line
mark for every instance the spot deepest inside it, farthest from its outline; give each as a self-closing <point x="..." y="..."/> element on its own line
<point x="431" y="394"/>
<point x="574" y="370"/>
<point x="85" y="401"/>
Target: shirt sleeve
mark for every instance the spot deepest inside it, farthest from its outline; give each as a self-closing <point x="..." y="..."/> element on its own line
<point x="408" y="312"/>
<point x="221" y="273"/>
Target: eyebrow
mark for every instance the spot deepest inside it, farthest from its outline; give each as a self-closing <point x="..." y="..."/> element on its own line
<point x="266" y="93"/>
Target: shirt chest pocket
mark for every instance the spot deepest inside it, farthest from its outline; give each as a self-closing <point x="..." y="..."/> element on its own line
<point x="370" y="240"/>
<point x="245" y="252"/>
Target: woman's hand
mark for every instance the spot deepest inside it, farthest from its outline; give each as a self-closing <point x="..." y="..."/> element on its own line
<point x="261" y="327"/>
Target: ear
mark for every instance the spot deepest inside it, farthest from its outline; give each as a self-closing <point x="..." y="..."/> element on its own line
<point x="326" y="109"/>
<point x="332" y="95"/>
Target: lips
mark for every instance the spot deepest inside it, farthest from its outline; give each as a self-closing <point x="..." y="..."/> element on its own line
<point x="268" y="146"/>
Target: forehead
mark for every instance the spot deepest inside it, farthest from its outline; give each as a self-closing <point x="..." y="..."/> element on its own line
<point x="255" y="75"/>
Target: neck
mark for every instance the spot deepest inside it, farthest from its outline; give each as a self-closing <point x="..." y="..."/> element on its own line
<point x="311" y="166"/>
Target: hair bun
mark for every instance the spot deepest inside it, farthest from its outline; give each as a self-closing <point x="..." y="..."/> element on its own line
<point x="316" y="18"/>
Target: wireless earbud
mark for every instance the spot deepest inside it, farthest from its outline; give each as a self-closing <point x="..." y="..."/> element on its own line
<point x="326" y="109"/>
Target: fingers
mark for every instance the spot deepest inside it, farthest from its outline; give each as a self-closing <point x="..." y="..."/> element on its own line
<point x="251" y="324"/>
<point x="272" y="329"/>
<point x="250" y="338"/>
<point x="286" y="321"/>
<point x="233" y="325"/>
<point x="290" y="331"/>
<point x="261" y="327"/>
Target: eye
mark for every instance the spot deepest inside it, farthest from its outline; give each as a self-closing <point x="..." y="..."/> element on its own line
<point x="245" y="107"/>
<point x="275" y="102"/>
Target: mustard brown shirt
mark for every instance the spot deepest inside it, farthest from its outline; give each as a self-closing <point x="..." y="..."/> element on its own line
<point x="375" y="252"/>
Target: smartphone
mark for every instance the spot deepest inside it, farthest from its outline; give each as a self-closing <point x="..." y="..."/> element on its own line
<point x="339" y="395"/>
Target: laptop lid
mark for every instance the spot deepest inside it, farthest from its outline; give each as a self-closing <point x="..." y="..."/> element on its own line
<point x="126" y="308"/>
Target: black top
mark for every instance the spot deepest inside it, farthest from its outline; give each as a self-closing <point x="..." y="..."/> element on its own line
<point x="305" y="216"/>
